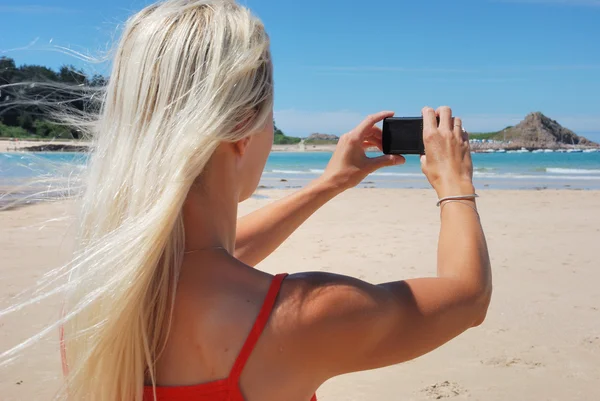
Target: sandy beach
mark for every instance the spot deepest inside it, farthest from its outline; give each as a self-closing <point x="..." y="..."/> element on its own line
<point x="19" y="145"/>
<point x="541" y="340"/>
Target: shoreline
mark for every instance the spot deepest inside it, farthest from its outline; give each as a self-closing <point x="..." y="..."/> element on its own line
<point x="10" y="199"/>
<point x="10" y="145"/>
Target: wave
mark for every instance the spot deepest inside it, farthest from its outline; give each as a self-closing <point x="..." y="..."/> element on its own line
<point x="572" y="171"/>
<point x="385" y="174"/>
<point x="558" y="174"/>
<point x="321" y="171"/>
<point x="511" y="176"/>
<point x="289" y="172"/>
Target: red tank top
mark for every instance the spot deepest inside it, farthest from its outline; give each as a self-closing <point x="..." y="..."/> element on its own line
<point x="225" y="389"/>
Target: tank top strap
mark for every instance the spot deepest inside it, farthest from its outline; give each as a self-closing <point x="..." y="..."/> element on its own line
<point x="257" y="329"/>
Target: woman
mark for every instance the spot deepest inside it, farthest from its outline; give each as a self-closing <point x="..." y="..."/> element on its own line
<point x="164" y="302"/>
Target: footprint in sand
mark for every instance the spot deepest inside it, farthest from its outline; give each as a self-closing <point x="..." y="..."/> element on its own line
<point x="505" y="362"/>
<point x="591" y="342"/>
<point x="444" y="389"/>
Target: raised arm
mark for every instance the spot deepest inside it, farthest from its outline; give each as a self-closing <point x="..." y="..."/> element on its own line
<point x="343" y="325"/>
<point x="261" y="232"/>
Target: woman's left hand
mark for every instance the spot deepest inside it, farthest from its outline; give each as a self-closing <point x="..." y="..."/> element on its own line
<point x="349" y="164"/>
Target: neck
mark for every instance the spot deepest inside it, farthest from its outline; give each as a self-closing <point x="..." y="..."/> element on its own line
<point x="210" y="217"/>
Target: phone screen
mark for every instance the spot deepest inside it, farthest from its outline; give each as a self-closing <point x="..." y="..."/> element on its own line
<point x="403" y="135"/>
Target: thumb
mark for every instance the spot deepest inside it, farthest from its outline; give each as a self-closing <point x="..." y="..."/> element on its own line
<point x="376" y="163"/>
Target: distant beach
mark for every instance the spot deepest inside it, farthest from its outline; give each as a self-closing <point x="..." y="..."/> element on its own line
<point x="11" y="145"/>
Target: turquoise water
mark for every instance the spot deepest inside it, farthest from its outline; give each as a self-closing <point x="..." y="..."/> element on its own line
<point x="493" y="170"/>
<point x="15" y="168"/>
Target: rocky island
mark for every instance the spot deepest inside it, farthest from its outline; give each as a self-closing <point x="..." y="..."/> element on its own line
<point x="535" y="132"/>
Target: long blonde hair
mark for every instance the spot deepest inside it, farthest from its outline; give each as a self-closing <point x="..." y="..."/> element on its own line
<point x="187" y="75"/>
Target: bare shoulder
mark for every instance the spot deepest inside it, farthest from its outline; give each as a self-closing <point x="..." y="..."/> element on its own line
<point x="317" y="310"/>
<point x="315" y="294"/>
<point x="311" y="296"/>
<point x="213" y="315"/>
<point x="338" y="324"/>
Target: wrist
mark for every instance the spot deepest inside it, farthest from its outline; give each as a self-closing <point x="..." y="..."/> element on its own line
<point x="455" y="188"/>
<point x="327" y="187"/>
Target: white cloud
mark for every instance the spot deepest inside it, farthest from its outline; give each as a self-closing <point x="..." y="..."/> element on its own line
<point x="36" y="9"/>
<point x="303" y="123"/>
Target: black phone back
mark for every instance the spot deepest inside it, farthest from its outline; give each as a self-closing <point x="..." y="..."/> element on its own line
<point x="403" y="136"/>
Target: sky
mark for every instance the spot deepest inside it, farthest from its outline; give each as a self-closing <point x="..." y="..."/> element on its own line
<point x="492" y="61"/>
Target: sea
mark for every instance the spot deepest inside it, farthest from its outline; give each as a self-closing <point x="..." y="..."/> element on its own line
<point x="575" y="171"/>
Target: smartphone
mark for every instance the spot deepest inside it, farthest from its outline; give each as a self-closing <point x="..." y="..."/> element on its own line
<point x="403" y="136"/>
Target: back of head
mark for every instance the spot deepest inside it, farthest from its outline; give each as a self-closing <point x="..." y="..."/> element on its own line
<point x="187" y="75"/>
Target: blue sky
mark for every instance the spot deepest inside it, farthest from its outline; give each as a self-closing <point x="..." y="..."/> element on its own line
<point x="493" y="61"/>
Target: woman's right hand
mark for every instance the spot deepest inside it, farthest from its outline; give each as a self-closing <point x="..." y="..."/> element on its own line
<point x="447" y="161"/>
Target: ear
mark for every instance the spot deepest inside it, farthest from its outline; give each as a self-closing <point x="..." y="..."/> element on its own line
<point x="241" y="146"/>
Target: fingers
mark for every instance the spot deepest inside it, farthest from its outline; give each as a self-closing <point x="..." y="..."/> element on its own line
<point x="445" y="114"/>
<point x="374" y="136"/>
<point x="365" y="127"/>
<point x="458" y="128"/>
<point x="376" y="132"/>
<point x="376" y="163"/>
<point x="465" y="135"/>
<point x="372" y="144"/>
<point x="429" y="119"/>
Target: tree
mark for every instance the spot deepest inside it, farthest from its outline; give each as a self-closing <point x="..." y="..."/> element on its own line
<point x="279" y="138"/>
<point x="25" y="121"/>
<point x="7" y="71"/>
<point x="69" y="75"/>
<point x="98" y="81"/>
<point x="277" y="130"/>
<point x="28" y="94"/>
<point x="34" y="73"/>
<point x="46" y="129"/>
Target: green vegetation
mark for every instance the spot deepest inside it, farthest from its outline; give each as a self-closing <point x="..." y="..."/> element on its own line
<point x="498" y="135"/>
<point x="23" y="88"/>
<point x="282" y="139"/>
<point x="483" y="135"/>
<point x="13" y="132"/>
<point x="32" y="121"/>
<point x="47" y="129"/>
<point x="321" y="142"/>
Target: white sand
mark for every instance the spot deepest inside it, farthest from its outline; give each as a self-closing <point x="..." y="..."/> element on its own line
<point x="19" y="145"/>
<point x="541" y="340"/>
